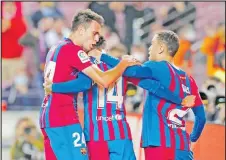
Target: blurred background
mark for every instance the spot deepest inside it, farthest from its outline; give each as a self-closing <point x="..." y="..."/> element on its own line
<point x="29" y="29"/>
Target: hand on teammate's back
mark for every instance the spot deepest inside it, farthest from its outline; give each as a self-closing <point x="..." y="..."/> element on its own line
<point x="188" y="101"/>
<point x="47" y="86"/>
<point x="131" y="60"/>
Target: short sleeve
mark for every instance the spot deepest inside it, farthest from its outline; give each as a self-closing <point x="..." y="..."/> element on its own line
<point x="78" y="58"/>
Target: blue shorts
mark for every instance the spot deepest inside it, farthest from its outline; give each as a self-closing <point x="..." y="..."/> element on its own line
<point x="184" y="155"/>
<point x="111" y="150"/>
<point x="67" y="142"/>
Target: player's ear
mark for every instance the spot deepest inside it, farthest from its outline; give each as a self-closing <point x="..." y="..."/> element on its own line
<point x="81" y="30"/>
<point x="161" y="49"/>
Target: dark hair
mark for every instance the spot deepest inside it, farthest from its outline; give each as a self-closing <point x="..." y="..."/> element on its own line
<point x="85" y="17"/>
<point x="203" y="96"/>
<point x="170" y="39"/>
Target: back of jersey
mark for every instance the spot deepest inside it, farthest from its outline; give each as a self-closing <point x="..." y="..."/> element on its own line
<point x="105" y="117"/>
<point x="166" y="120"/>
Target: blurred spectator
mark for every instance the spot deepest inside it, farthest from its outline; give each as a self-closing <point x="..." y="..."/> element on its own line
<point x="118" y="51"/>
<point x="57" y="32"/>
<point x="213" y="46"/>
<point x="47" y="9"/>
<point x="134" y="98"/>
<point x="103" y="9"/>
<point x="183" y="57"/>
<point x="180" y="14"/>
<point x="139" y="52"/>
<point x="28" y="143"/>
<point x="112" y="39"/>
<point x="36" y="40"/>
<point x="13" y="28"/>
<point x="220" y="104"/>
<point x="124" y="19"/>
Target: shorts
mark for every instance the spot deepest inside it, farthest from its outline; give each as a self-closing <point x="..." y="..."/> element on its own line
<point x="65" y="143"/>
<point x="111" y="150"/>
<point x="159" y="153"/>
<point x="184" y="155"/>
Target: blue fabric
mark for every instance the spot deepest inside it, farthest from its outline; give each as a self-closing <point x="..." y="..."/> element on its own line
<point x="184" y="155"/>
<point x="67" y="142"/>
<point x="121" y="150"/>
<point x="199" y="123"/>
<point x="80" y="84"/>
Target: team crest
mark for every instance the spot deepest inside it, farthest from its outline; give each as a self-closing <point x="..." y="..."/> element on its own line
<point x="83" y="56"/>
<point x="83" y="151"/>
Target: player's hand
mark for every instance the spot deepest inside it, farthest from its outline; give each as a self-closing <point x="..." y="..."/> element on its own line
<point x="129" y="61"/>
<point x="48" y="86"/>
<point x="188" y="101"/>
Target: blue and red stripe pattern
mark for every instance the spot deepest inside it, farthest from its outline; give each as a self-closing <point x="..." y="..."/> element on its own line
<point x="67" y="60"/>
<point x="104" y="118"/>
<point x="163" y="123"/>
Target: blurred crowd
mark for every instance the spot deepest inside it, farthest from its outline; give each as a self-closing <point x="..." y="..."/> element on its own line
<point x="27" y="35"/>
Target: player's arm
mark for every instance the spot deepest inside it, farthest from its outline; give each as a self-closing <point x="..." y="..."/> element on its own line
<point x="138" y="71"/>
<point x="108" y="77"/>
<point x="157" y="89"/>
<point x="200" y="117"/>
<point x="80" y="84"/>
<point x="81" y="61"/>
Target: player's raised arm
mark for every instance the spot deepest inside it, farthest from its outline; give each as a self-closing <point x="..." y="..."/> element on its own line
<point x="138" y="71"/>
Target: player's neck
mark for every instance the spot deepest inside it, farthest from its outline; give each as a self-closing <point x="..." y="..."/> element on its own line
<point x="168" y="59"/>
<point x="75" y="40"/>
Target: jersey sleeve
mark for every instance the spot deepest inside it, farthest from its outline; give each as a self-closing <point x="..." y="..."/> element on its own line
<point x="78" y="58"/>
<point x="157" y="89"/>
<point x="80" y="84"/>
<point x="135" y="81"/>
<point x="141" y="71"/>
<point x="199" y="112"/>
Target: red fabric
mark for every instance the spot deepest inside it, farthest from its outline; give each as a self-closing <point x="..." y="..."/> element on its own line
<point x="49" y="154"/>
<point x="95" y="148"/>
<point x="159" y="153"/>
<point x="10" y="38"/>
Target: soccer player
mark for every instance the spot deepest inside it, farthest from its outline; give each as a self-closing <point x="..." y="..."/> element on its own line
<point x="106" y="129"/>
<point x="59" y="121"/>
<point x="163" y="130"/>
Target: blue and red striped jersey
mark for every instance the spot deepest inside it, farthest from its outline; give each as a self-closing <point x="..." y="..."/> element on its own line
<point x="105" y="114"/>
<point x="163" y="121"/>
<point x="63" y="63"/>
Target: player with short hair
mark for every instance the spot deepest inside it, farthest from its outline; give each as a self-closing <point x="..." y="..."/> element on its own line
<point x="163" y="129"/>
<point x="106" y="129"/>
<point x="59" y="121"/>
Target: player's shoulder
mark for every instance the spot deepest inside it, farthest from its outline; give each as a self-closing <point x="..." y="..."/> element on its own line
<point x="157" y="65"/>
<point x="192" y="81"/>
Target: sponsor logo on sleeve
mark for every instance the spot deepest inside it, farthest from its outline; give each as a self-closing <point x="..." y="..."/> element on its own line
<point x="83" y="56"/>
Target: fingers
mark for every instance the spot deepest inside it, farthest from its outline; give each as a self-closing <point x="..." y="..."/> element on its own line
<point x="47" y="85"/>
<point x="189" y="101"/>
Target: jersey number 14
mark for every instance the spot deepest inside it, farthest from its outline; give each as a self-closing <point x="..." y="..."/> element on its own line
<point x="110" y="97"/>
